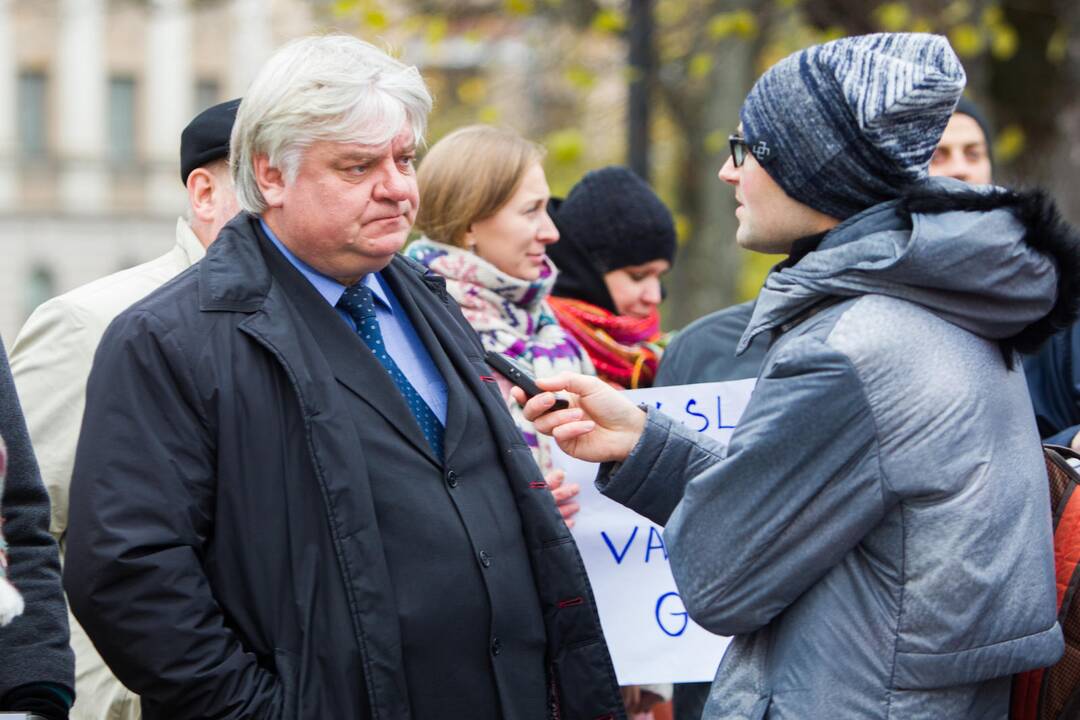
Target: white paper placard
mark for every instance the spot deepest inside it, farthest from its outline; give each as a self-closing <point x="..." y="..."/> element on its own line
<point x="650" y="637"/>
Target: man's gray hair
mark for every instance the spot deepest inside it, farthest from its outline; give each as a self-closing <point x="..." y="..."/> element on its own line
<point x="334" y="88"/>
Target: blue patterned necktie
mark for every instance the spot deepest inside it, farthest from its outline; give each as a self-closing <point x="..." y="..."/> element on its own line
<point x="358" y="301"/>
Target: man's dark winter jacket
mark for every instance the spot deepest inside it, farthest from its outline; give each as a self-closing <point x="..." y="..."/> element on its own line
<point x="1053" y="376"/>
<point x="35" y="645"/>
<point x="225" y="552"/>
<point x="705" y="350"/>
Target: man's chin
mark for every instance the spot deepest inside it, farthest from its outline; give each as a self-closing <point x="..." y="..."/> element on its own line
<point x="390" y="243"/>
<point x="766" y="246"/>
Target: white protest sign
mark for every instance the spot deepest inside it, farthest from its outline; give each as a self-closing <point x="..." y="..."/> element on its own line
<point x="648" y="632"/>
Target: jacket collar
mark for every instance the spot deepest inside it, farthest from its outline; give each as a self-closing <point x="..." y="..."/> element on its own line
<point x="233" y="277"/>
<point x="999" y="263"/>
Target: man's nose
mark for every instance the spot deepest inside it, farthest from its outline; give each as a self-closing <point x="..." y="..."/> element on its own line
<point x="958" y="169"/>
<point x="729" y="173"/>
<point x="396" y="185"/>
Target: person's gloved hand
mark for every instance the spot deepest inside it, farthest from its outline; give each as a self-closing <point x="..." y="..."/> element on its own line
<point x="38" y="698"/>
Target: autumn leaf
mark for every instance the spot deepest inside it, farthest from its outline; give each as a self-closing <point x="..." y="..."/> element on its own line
<point x="893" y="16"/>
<point x="700" y="65"/>
<point x="472" y="91"/>
<point x="609" y="21"/>
<point x="716" y="142"/>
<point x="1009" y="144"/>
<point x="565" y="146"/>
<point x="966" y="40"/>
<point x="1003" y="42"/>
<point x="519" y="7"/>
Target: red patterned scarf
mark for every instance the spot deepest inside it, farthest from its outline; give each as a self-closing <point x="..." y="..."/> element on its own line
<point x="625" y="350"/>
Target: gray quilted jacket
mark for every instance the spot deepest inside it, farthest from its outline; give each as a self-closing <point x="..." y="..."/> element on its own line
<point x="878" y="535"/>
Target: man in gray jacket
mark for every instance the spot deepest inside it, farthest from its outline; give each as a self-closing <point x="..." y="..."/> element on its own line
<point x="877" y="535"/>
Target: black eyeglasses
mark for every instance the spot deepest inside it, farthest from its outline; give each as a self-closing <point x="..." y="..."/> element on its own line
<point x="739" y="149"/>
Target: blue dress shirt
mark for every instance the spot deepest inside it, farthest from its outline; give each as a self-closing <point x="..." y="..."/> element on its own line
<point x="402" y="342"/>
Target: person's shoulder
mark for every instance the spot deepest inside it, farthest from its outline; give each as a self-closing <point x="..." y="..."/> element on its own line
<point x="96" y="303"/>
<point x="171" y="305"/>
<point x="419" y="275"/>
<point x="729" y="322"/>
<point x="705" y="350"/>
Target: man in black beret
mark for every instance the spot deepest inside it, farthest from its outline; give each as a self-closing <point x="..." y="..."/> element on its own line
<point x="52" y="355"/>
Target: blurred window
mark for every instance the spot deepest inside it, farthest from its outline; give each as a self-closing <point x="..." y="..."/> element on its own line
<point x="207" y="93"/>
<point x="32" y="120"/>
<point x="122" y="120"/>
<point x="40" y="286"/>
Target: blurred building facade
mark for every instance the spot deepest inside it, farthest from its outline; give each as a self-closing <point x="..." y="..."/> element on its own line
<point x="95" y="94"/>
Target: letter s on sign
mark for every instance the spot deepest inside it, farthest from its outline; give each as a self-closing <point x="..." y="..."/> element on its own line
<point x="672" y="600"/>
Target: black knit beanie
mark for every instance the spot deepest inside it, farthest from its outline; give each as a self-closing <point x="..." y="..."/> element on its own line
<point x="611" y="219"/>
<point x="968" y="107"/>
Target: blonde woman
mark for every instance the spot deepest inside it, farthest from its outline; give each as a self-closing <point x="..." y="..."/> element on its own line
<point x="483" y="213"/>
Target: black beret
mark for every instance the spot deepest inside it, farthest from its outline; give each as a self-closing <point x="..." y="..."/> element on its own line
<point x="206" y="138"/>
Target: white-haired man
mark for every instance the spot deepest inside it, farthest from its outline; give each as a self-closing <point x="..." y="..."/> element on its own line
<point x="51" y="359"/>
<point x="297" y="492"/>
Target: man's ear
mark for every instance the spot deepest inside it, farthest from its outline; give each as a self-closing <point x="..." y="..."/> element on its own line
<point x="271" y="181"/>
<point x="201" y="185"/>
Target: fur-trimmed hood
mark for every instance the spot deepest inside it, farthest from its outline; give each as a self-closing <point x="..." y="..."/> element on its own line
<point x="1000" y="263"/>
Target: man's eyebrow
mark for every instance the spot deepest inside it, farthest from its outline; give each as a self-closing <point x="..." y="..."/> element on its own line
<point x="355" y="155"/>
<point x="372" y="155"/>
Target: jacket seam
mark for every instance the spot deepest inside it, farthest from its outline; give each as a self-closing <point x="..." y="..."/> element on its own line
<point x="883" y="481"/>
<point x="983" y="647"/>
<point x="877" y="454"/>
<point x="187" y="371"/>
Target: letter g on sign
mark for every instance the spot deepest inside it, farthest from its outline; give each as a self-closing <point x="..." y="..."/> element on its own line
<point x="671" y="614"/>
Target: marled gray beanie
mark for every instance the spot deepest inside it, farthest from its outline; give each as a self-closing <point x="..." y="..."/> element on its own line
<point x="849" y="124"/>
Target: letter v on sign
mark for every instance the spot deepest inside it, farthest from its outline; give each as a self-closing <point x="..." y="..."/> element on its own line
<point x="619" y="556"/>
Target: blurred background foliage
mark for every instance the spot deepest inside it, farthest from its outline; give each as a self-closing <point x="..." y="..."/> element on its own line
<point x="565" y="85"/>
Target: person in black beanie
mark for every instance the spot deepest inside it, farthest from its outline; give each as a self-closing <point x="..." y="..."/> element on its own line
<point x="617" y="240"/>
<point x="965" y="151"/>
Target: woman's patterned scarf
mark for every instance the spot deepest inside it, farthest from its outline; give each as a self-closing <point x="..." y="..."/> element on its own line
<point x="511" y="316"/>
<point x="625" y="350"/>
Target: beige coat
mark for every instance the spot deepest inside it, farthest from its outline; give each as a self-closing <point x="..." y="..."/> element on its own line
<point x="51" y="361"/>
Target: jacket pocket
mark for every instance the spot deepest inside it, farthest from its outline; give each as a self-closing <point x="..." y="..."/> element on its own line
<point x="578" y="697"/>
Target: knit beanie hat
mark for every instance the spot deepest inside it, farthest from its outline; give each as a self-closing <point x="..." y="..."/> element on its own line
<point x="968" y="107"/>
<point x="854" y="122"/>
<point x="611" y="219"/>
